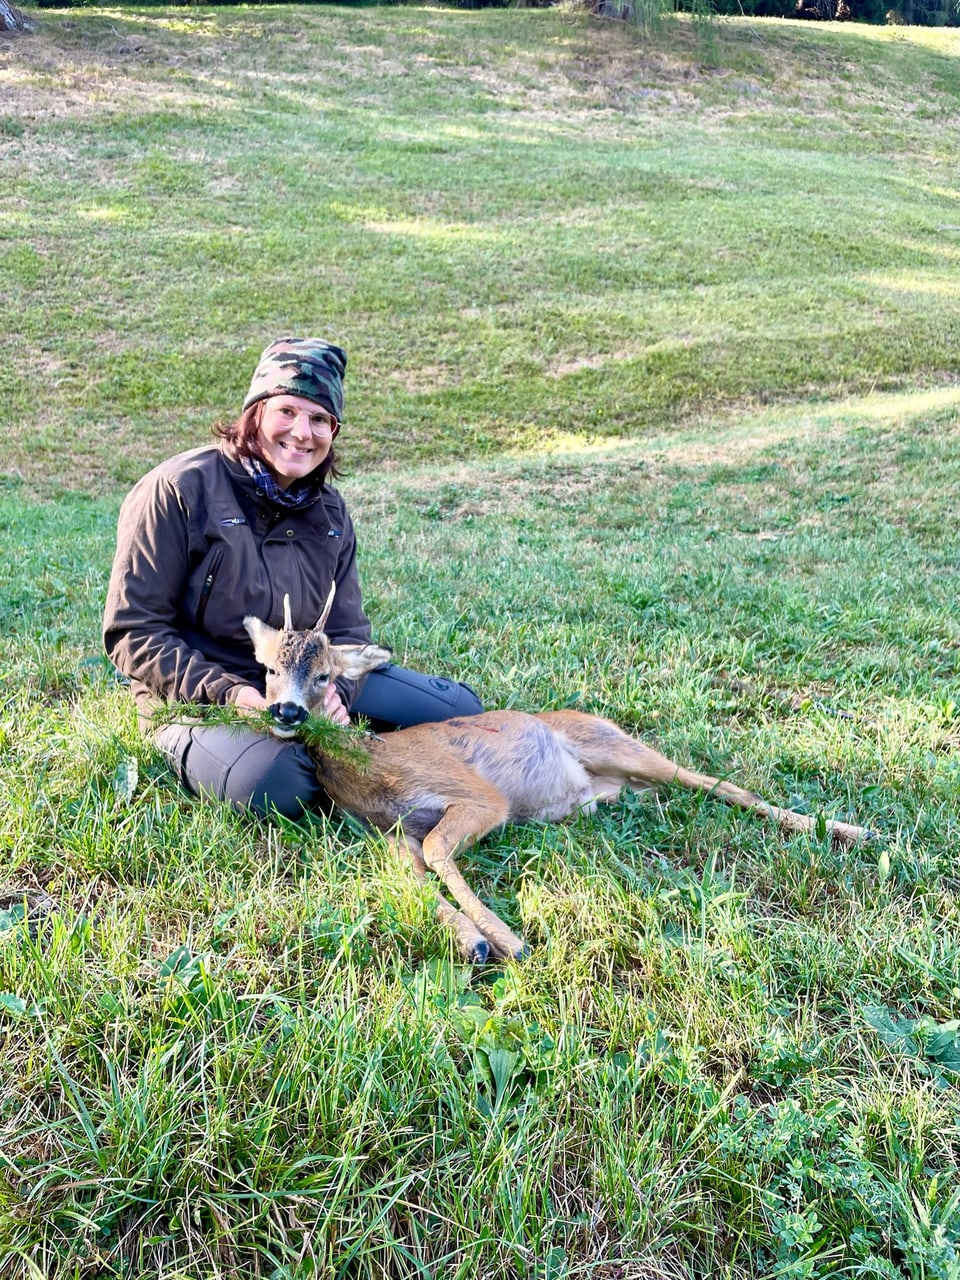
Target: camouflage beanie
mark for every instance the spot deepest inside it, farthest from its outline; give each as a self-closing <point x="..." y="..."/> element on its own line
<point x="307" y="367"/>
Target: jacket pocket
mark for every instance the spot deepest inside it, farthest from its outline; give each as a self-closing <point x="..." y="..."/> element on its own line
<point x="207" y="588"/>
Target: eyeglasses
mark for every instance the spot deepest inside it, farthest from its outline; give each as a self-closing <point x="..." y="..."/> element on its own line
<point x="322" y="425"/>
<point x="284" y="413"/>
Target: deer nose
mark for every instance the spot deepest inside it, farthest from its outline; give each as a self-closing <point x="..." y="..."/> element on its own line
<point x="290" y="714"/>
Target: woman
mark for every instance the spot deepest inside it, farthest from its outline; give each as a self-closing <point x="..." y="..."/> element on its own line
<point x="227" y="530"/>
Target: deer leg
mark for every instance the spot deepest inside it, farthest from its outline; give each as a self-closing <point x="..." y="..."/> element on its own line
<point x="843" y="833"/>
<point x="612" y="757"/>
<point x="464" y="824"/>
<point x="473" y="946"/>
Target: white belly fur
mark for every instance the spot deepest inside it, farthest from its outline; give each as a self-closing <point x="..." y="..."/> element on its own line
<point x="531" y="767"/>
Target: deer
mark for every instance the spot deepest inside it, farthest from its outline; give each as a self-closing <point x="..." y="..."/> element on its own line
<point x="436" y="789"/>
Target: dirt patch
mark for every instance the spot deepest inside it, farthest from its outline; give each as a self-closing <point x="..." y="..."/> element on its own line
<point x="561" y="368"/>
<point x="81" y="94"/>
<point x="85" y="66"/>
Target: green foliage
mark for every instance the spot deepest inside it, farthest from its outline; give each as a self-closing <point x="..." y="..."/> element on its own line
<point x="349" y="745"/>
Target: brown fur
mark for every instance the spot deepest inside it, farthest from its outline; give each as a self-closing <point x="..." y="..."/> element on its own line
<point x="438" y="788"/>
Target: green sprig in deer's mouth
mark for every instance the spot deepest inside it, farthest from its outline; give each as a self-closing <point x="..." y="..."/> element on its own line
<point x="348" y="745"/>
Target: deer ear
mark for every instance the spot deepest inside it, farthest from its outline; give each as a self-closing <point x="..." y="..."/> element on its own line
<point x="258" y="632"/>
<point x="353" y="660"/>
<point x="322" y="620"/>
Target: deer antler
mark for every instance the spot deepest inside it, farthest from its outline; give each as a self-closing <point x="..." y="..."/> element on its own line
<point x="288" y="617"/>
<point x="326" y="608"/>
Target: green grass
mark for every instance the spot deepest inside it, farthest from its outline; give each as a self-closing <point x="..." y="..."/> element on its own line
<point x="653" y="410"/>
<point x="522" y="227"/>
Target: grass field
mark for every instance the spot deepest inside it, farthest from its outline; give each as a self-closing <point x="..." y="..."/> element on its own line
<point x="654" y="410"/>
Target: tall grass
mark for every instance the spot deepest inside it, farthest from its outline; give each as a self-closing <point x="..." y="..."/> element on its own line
<point x="622" y="438"/>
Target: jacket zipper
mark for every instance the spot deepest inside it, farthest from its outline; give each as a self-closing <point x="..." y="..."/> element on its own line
<point x="205" y="590"/>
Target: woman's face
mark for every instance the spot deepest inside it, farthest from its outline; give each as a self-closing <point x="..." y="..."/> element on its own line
<point x="295" y="436"/>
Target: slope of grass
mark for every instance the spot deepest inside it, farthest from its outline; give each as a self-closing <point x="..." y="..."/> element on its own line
<point x="522" y="226"/>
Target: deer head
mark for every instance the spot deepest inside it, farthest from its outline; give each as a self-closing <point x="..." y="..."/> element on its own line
<point x="301" y="664"/>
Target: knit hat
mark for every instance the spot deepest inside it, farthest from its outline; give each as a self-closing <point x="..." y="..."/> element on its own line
<point x="307" y="367"/>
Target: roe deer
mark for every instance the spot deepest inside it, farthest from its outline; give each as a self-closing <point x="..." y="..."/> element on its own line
<point x="437" y="788"/>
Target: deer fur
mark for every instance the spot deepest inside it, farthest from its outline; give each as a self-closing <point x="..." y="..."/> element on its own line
<point x="438" y="788"/>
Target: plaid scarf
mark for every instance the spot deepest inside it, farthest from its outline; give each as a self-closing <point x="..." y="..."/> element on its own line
<point x="303" y="495"/>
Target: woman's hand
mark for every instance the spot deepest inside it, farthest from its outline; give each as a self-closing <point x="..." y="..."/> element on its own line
<point x="333" y="707"/>
<point x="249" y="699"/>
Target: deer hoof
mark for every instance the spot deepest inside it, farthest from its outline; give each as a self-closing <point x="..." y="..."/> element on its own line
<point x="516" y="950"/>
<point x="479" y="952"/>
<point x="847" y="836"/>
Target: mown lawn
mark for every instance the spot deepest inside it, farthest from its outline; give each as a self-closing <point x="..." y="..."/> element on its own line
<point x="653" y="410"/>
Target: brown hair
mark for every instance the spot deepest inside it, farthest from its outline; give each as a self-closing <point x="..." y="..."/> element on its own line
<point x="244" y="435"/>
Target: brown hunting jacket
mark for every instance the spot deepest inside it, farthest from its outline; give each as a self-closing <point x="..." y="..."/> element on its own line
<point x="198" y="548"/>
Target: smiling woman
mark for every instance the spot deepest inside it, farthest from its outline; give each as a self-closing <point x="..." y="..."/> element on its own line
<point x="232" y="529"/>
<point x="295" y="436"/>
